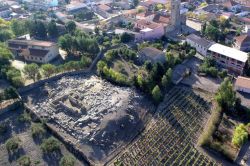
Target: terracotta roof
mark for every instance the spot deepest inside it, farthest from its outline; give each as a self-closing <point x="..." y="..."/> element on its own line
<point x="243" y="82"/>
<point x="145" y="14"/>
<point x="241" y="39"/>
<point x="229" y="4"/>
<point x="245" y="19"/>
<point x="148" y="24"/>
<point x="161" y="19"/>
<point x="104" y="7"/>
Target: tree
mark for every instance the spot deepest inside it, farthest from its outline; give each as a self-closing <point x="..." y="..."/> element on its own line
<point x="212" y="32"/>
<point x="5" y="35"/>
<point x="31" y="71"/>
<point x="19" y="27"/>
<point x="48" y="70"/>
<point x="240" y="135"/>
<point x="24" y="161"/>
<point x="37" y="130"/>
<point x="65" y="42"/>
<point x="156" y="93"/>
<point x="70" y="27"/>
<point x="12" y="144"/>
<point x="125" y="37"/>
<point x="67" y="161"/>
<point x="50" y="145"/>
<point x="135" y="2"/>
<point x="52" y="29"/>
<point x="226" y="96"/>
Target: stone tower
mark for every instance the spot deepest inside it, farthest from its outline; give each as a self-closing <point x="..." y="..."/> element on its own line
<point x="175" y="13"/>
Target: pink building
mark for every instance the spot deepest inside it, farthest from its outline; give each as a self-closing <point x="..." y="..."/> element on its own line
<point x="148" y="30"/>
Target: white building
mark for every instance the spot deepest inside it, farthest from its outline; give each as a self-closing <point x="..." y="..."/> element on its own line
<point x="242" y="84"/>
<point x="201" y="44"/>
<point x="229" y="58"/>
<point x="247" y="29"/>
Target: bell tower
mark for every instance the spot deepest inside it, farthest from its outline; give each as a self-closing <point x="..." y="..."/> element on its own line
<point x="175" y="13"/>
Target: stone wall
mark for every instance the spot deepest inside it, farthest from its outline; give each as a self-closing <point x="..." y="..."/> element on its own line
<point x="51" y="79"/>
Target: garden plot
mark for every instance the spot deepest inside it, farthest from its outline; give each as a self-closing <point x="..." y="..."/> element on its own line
<point x="91" y="113"/>
<point x="172" y="134"/>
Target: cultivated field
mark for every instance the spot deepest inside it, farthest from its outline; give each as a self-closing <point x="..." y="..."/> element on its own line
<point x="171" y="136"/>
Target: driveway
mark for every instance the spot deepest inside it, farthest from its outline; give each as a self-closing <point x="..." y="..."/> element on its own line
<point x="194" y="80"/>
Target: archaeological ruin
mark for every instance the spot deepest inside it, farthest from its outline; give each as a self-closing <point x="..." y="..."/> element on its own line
<point x="97" y="117"/>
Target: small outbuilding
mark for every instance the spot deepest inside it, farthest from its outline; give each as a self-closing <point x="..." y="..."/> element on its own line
<point x="151" y="54"/>
<point x="242" y="84"/>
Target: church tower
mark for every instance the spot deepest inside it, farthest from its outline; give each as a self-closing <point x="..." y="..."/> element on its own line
<point x="175" y="13"/>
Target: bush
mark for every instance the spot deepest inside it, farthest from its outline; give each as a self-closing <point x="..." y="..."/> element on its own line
<point x="240" y="135"/>
<point x="156" y="93"/>
<point x="50" y="145"/>
<point x="12" y="144"/>
<point x="25" y="117"/>
<point x="24" y="161"/>
<point x="67" y="161"/>
<point x="37" y="130"/>
<point x="213" y="122"/>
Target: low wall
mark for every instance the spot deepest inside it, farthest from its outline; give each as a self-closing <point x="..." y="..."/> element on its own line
<point x="51" y="79"/>
<point x="68" y="144"/>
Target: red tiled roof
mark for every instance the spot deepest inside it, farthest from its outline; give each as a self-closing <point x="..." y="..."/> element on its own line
<point x="162" y="19"/>
<point x="241" y="39"/>
<point x="243" y="82"/>
<point x="148" y="24"/>
<point x="104" y="7"/>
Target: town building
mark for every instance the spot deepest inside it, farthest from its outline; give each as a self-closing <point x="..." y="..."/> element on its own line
<point x="229" y="58"/>
<point x="242" y="84"/>
<point x="148" y="30"/>
<point x="247" y="29"/>
<point x="103" y="10"/>
<point x="4" y="11"/>
<point x="74" y="7"/>
<point x="202" y="45"/>
<point x="243" y="43"/>
<point x="33" y="50"/>
<point x="151" y="54"/>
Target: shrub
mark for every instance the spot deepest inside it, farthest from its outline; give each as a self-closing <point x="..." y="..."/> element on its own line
<point x="240" y="135"/>
<point x="67" y="161"/>
<point x="3" y="128"/>
<point x="212" y="124"/>
<point x="25" y="117"/>
<point x="37" y="130"/>
<point x="50" y="145"/>
<point x="12" y="144"/>
<point x="156" y="93"/>
<point x="24" y="161"/>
